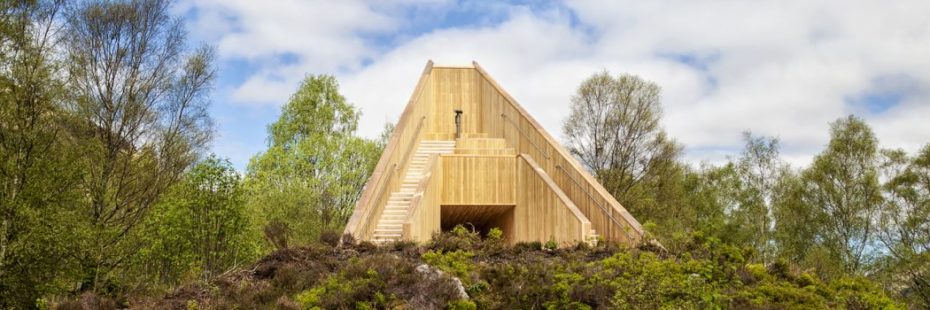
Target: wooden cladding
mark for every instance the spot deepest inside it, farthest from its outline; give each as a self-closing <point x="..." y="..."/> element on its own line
<point x="455" y="89"/>
<point x="479" y="188"/>
<point x="504" y="118"/>
<point x="543" y="211"/>
<point x="475" y="180"/>
<point x="504" y="158"/>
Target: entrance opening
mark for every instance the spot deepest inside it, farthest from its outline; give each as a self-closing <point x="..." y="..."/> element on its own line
<point x="481" y="218"/>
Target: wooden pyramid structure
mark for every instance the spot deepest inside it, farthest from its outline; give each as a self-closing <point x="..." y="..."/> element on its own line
<point x="465" y="153"/>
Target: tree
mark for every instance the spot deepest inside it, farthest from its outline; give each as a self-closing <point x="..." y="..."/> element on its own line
<point x="706" y="201"/>
<point x="758" y="169"/>
<point x="614" y="130"/>
<point x="904" y="221"/>
<point x="842" y="185"/>
<point x="315" y="167"/>
<point x="140" y="113"/>
<point x="200" y="228"/>
<point x="36" y="176"/>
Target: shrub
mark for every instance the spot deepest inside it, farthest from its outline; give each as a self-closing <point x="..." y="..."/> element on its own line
<point x="552" y="245"/>
<point x="330" y="237"/>
<point x="459" y="239"/>
<point x="527" y="246"/>
<point x="709" y="274"/>
<point x="495" y="234"/>
<point x="457" y="263"/>
<point x="461" y="305"/>
<point x="348" y="239"/>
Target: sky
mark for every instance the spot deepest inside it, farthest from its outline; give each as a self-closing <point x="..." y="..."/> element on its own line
<point x="784" y="68"/>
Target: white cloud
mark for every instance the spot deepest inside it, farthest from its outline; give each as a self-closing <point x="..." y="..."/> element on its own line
<point x="315" y="36"/>
<point x="780" y="68"/>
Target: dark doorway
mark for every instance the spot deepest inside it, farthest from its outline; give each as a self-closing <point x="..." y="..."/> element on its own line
<point x="481" y="218"/>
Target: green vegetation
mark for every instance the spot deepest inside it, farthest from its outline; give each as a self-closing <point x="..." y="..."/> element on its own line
<point x="200" y="229"/>
<point x="108" y="198"/>
<point x="710" y="274"/>
<point x="857" y="210"/>
<point x="315" y="167"/>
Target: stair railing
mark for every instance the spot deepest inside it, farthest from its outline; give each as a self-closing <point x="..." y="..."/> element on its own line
<point x="405" y="162"/>
<point x="597" y="202"/>
<point x="378" y="204"/>
<point x="527" y="136"/>
<point x="415" y="225"/>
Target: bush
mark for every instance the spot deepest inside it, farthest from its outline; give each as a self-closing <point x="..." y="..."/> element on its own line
<point x="552" y="245"/>
<point x="459" y="239"/>
<point x="330" y="237"/>
<point x="495" y="234"/>
<point x="458" y="263"/>
<point x="709" y="274"/>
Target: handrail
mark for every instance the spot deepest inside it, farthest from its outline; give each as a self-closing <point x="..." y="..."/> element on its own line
<point x="562" y="154"/>
<point x="394" y="167"/>
<point x="527" y="136"/>
<point x="541" y="173"/>
<point x="418" y="194"/>
<point x="364" y="205"/>
<point x="610" y="214"/>
<point x="424" y="181"/>
<point x="367" y="223"/>
<point x="411" y="144"/>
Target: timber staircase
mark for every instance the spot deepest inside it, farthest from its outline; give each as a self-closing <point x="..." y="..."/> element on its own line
<point x="390" y="225"/>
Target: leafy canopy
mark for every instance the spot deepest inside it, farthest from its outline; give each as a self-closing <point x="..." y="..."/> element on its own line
<point x="315" y="167"/>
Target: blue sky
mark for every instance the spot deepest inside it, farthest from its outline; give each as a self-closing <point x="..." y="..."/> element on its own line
<point x="776" y="68"/>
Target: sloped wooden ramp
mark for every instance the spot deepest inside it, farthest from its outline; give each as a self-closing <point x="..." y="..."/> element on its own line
<point x="464" y="152"/>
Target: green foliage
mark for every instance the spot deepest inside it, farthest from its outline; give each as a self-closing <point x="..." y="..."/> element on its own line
<point x="708" y="275"/>
<point x="460" y="231"/>
<point x="551" y="245"/>
<point x="460" y="239"/>
<point x="378" y="281"/>
<point x="495" y="233"/>
<point x="614" y="130"/>
<point x="757" y="172"/>
<point x="315" y="167"/>
<point x="38" y="178"/>
<point x="904" y="225"/>
<point x="843" y="188"/>
<point x="100" y="197"/>
<point x="201" y="227"/>
<point x="138" y="107"/>
<point x="457" y="263"/>
<point x="461" y="305"/>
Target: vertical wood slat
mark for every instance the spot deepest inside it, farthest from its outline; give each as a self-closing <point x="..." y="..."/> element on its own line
<point x="543" y="211"/>
<point x="488" y="109"/>
<point x="455" y="89"/>
<point x="504" y="118"/>
<point x="478" y="179"/>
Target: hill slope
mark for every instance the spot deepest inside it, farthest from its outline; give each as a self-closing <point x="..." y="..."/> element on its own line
<point x="525" y="276"/>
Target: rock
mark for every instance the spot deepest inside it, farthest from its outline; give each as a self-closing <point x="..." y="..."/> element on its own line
<point x="433" y="273"/>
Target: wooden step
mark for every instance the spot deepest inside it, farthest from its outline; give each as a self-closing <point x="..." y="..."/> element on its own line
<point x="436" y="142"/>
<point x="389" y="226"/>
<point x="440" y="136"/>
<point x="484" y="151"/>
<point x="484" y="143"/>
<point x="471" y="135"/>
<point x="451" y="135"/>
